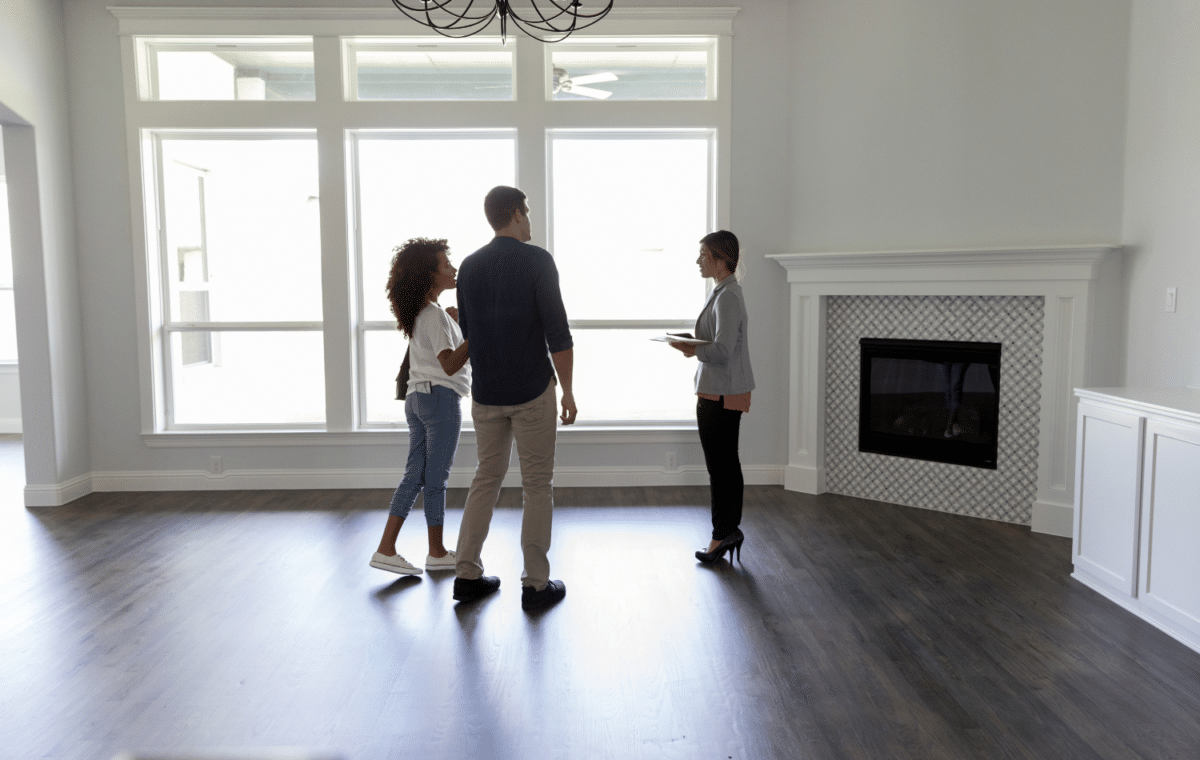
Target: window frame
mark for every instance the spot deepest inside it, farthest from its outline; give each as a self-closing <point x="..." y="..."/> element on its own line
<point x="333" y="117"/>
<point x="353" y="45"/>
<point x="362" y="324"/>
<point x="685" y="322"/>
<point x="706" y="44"/>
<point x="148" y="47"/>
<point x="171" y="326"/>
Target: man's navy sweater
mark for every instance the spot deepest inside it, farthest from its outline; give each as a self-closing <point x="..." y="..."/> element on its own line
<point x="511" y="310"/>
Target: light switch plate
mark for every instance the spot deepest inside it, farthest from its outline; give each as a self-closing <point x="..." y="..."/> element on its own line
<point x="1170" y="300"/>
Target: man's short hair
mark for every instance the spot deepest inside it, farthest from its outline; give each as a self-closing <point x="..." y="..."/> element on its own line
<point x="501" y="203"/>
<point x="723" y="245"/>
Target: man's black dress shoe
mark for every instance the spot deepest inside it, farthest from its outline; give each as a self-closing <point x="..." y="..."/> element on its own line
<point x="533" y="600"/>
<point x="470" y="589"/>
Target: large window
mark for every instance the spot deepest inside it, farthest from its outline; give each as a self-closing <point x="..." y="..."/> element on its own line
<point x="625" y="251"/>
<point x="241" y="265"/>
<point x="415" y="184"/>
<point x="270" y="226"/>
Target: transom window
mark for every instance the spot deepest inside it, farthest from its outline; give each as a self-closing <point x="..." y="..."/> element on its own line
<point x="270" y="228"/>
<point x="633" y="69"/>
<point x="422" y="69"/>
<point x="230" y="68"/>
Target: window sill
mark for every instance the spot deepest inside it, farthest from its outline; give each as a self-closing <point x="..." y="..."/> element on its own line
<point x="589" y="435"/>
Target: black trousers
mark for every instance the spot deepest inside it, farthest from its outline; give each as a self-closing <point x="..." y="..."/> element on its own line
<point x="719" y="439"/>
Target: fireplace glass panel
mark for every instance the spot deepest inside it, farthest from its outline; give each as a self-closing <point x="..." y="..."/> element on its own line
<point x="931" y="400"/>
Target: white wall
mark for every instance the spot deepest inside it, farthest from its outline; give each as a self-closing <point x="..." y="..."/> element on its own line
<point x="33" y="111"/>
<point x="1162" y="193"/>
<point x="881" y="124"/>
<point x="944" y="124"/>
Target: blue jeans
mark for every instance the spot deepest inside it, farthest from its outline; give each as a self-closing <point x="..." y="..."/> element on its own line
<point x="434" y="420"/>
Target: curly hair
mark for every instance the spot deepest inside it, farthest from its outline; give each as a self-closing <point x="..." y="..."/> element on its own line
<point x="414" y="265"/>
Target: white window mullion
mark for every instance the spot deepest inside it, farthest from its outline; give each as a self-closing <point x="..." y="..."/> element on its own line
<point x="531" y="136"/>
<point x="337" y="298"/>
<point x="360" y="317"/>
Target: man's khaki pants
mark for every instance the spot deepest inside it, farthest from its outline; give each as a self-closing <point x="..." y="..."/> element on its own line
<point x="534" y="425"/>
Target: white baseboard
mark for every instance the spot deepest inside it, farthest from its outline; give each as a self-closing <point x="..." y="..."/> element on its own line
<point x="460" y="477"/>
<point x="10" y="425"/>
<point x="60" y="493"/>
<point x="1163" y="623"/>
<point x="804" y="479"/>
<point x="1053" y="519"/>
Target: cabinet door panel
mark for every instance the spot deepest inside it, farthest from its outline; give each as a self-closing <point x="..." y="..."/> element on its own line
<point x="1171" y="523"/>
<point x="1107" y="495"/>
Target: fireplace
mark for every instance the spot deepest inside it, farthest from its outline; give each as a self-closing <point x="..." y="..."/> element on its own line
<point x="933" y="400"/>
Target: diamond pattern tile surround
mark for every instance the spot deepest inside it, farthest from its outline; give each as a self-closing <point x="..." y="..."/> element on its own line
<point x="1006" y="493"/>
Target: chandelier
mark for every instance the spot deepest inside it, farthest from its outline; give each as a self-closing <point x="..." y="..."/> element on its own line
<point x="543" y="20"/>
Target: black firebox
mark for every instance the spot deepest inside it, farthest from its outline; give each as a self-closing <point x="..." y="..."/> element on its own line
<point x="930" y="399"/>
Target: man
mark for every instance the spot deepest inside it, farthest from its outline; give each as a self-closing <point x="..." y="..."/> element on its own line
<point x="511" y="311"/>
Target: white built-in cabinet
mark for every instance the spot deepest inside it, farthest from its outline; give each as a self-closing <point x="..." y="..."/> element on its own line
<point x="1137" y="503"/>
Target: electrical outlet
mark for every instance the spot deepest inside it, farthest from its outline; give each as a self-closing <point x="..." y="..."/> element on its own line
<point x="1170" y="300"/>
<point x="214" y="465"/>
<point x="672" y="460"/>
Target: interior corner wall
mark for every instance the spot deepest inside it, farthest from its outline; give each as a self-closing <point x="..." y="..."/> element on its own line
<point x="926" y="124"/>
<point x="1162" y="194"/>
<point x="34" y="111"/>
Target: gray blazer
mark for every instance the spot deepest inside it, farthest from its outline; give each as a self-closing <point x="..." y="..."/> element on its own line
<point x="725" y="363"/>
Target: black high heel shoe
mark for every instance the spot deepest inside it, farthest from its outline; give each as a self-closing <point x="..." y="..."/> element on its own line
<point x="731" y="543"/>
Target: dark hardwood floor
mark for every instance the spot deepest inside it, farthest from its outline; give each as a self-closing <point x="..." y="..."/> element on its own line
<point x="852" y="629"/>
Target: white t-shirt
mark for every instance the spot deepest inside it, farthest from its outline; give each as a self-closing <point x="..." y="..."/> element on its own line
<point x="434" y="332"/>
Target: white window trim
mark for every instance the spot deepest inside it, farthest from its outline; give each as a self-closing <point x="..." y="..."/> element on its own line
<point x="332" y="116"/>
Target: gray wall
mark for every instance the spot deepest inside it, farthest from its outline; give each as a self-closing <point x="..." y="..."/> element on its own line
<point x="34" y="114"/>
<point x="1162" y="194"/>
<point x="872" y="124"/>
<point x="938" y="124"/>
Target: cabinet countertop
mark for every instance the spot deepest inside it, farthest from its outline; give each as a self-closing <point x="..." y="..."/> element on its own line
<point x="1179" y="403"/>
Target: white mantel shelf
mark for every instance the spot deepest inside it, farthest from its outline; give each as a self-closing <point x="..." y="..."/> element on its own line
<point x="1066" y="276"/>
<point x="958" y="265"/>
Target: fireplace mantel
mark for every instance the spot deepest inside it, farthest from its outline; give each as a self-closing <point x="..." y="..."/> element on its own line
<point x="1072" y="280"/>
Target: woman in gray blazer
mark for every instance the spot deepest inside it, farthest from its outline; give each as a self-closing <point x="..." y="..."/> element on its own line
<point x="723" y="384"/>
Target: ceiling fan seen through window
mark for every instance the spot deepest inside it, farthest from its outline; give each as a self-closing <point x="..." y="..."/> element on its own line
<point x="564" y="82"/>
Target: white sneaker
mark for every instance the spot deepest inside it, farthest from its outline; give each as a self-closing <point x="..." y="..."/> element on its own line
<point x="396" y="564"/>
<point x="441" y="563"/>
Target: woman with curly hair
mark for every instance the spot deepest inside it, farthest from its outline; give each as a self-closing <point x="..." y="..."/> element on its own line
<point x="438" y="377"/>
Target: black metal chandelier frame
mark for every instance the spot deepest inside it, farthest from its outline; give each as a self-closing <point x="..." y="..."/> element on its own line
<point x="542" y="21"/>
